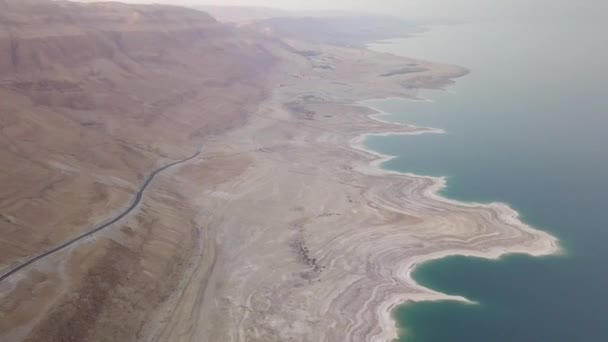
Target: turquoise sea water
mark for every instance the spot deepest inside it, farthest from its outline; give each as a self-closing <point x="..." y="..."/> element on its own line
<point x="529" y="127"/>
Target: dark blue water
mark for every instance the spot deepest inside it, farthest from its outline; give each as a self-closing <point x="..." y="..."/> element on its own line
<point x="529" y="127"/>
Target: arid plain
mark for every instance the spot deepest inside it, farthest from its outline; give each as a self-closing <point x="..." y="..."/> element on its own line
<point x="283" y="228"/>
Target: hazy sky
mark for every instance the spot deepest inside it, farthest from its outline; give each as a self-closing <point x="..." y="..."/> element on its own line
<point x="453" y="9"/>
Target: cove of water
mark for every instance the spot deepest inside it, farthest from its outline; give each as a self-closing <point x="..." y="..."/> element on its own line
<point x="528" y="127"/>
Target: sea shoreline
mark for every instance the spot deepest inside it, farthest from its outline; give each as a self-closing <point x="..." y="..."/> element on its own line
<point x="507" y="214"/>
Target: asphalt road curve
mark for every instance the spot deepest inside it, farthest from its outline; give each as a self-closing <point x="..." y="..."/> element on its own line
<point x="134" y="204"/>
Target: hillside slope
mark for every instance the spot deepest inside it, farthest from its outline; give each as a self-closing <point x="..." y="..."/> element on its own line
<point x="92" y="99"/>
<point x="93" y="96"/>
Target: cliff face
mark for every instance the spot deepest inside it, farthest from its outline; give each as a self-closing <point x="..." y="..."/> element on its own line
<point x="92" y="98"/>
<point x="42" y="35"/>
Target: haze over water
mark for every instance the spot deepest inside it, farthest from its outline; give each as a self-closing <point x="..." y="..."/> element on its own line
<point x="526" y="127"/>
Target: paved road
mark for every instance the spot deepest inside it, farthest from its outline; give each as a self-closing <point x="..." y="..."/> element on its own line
<point x="134" y="204"/>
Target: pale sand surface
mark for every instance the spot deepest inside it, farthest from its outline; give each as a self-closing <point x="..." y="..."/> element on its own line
<point x="298" y="235"/>
<point x="313" y="241"/>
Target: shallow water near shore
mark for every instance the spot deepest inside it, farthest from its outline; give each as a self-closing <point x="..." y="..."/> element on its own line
<point x="527" y="127"/>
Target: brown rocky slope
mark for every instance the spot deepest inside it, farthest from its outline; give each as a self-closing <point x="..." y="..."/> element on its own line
<point x="92" y="99"/>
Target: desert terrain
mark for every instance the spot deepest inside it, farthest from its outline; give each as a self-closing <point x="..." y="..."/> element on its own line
<point x="273" y="224"/>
